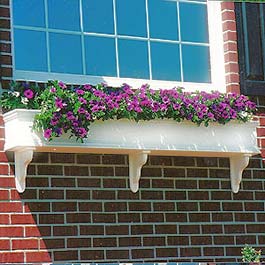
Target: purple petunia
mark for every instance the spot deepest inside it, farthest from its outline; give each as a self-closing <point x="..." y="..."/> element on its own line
<point x="62" y="85"/>
<point x="47" y="133"/>
<point x="29" y="93"/>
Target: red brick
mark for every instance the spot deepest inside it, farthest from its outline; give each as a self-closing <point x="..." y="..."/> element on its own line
<point x="227" y="5"/>
<point x="91" y="230"/>
<point x="129" y="241"/>
<point x="199" y="217"/>
<point x="190" y="252"/>
<point x="24" y="244"/>
<point x="9" y="207"/>
<point x="177" y="240"/>
<point x="92" y="254"/>
<point x="189" y="229"/>
<point x="12" y="257"/>
<point x="77" y="242"/>
<point x="210" y="206"/>
<point x="4" y="244"/>
<point x="4" y="219"/>
<point x="3" y="170"/>
<point x="117" y="254"/>
<point x="230" y="46"/>
<point x="4" y="12"/>
<point x="11" y="231"/>
<point x="231" y="68"/>
<point x="232" y="78"/>
<point x="31" y="231"/>
<point x="222" y="217"/>
<point x="105" y="242"/>
<point x="233" y="88"/>
<point x="141" y="229"/>
<point x="117" y="230"/>
<point x="212" y="229"/>
<point x="174" y="217"/>
<point x="166" y="252"/>
<point x="142" y="253"/>
<point x="3" y="157"/>
<point x="4" y="23"/>
<point x="201" y="240"/>
<point x="213" y="251"/>
<point x="65" y="230"/>
<point x="224" y="240"/>
<point x="260" y="132"/>
<point x="234" y="229"/>
<point x="6" y="71"/>
<point x="65" y="255"/>
<point x="22" y="219"/>
<point x="4" y="195"/>
<point x="229" y="25"/>
<point x="39" y="256"/>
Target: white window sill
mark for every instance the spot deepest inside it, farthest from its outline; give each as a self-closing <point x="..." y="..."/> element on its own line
<point x="159" y="137"/>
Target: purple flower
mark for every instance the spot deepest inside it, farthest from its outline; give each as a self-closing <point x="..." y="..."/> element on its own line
<point x="59" y="103"/>
<point x="28" y="94"/>
<point x="59" y="131"/>
<point x="47" y="133"/>
<point x="62" y="85"/>
<point x="80" y="92"/>
<point x="81" y="110"/>
<point x="82" y="100"/>
<point x="82" y="132"/>
<point x="54" y="122"/>
<point x="53" y="89"/>
<point x="87" y="87"/>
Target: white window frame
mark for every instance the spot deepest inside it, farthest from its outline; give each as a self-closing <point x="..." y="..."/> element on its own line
<point x="216" y="62"/>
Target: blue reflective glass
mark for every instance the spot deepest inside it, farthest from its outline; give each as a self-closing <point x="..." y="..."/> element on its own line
<point x="133" y="59"/>
<point x="29" y="13"/>
<point x="100" y="56"/>
<point x="196" y="64"/>
<point x="165" y="61"/>
<point x="98" y="16"/>
<point x="163" y="20"/>
<point x="65" y="53"/>
<point x="30" y="50"/>
<point x="193" y="22"/>
<point x="131" y="17"/>
<point x="64" y="14"/>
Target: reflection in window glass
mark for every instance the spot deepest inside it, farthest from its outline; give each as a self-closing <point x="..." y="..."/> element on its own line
<point x="96" y="18"/>
<point x="193" y="22"/>
<point x="131" y="17"/>
<point x="34" y="48"/>
<point x="29" y="13"/>
<point x="103" y="61"/>
<point x="64" y="14"/>
<point x="166" y="11"/>
<point x="65" y="53"/>
<point x="165" y="61"/>
<point x="158" y="39"/>
<point x="133" y="59"/>
<point x="196" y="63"/>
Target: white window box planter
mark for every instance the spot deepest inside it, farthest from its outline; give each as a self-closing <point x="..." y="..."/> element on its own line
<point x="158" y="137"/>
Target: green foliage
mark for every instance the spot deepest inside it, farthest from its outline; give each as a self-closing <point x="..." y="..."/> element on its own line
<point x="250" y="254"/>
<point x="72" y="109"/>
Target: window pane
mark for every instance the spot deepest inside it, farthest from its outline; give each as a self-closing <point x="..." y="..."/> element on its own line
<point x="29" y="13"/>
<point x="196" y="64"/>
<point x="100" y="56"/>
<point x="131" y="17"/>
<point x="98" y="16"/>
<point x="163" y="21"/>
<point x="64" y="14"/>
<point x="30" y="50"/>
<point x="193" y="22"/>
<point x="165" y="61"/>
<point x="133" y="59"/>
<point x="65" y="53"/>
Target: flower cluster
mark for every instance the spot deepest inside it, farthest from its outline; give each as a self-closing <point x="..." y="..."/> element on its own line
<point x="73" y="109"/>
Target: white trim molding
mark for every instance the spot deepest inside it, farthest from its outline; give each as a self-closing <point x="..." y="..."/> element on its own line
<point x="138" y="140"/>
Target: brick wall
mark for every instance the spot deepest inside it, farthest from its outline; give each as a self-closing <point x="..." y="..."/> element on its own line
<point x="78" y="207"/>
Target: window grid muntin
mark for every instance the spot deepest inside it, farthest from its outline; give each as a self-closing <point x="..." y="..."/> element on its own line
<point x="148" y="39"/>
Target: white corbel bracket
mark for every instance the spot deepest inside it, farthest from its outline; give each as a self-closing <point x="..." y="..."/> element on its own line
<point x="136" y="161"/>
<point x="22" y="159"/>
<point x="237" y="165"/>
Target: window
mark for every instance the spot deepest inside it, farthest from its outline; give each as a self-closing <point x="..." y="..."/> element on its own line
<point x="163" y="42"/>
<point x="251" y="43"/>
